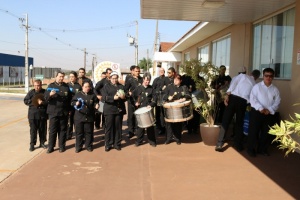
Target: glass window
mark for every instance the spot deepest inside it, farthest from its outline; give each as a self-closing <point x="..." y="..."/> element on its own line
<point x="203" y="53"/>
<point x="187" y="56"/>
<point x="273" y="44"/>
<point x="221" y="52"/>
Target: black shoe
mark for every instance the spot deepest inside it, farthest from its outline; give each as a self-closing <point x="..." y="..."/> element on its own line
<point x="161" y="133"/>
<point x="78" y="150"/>
<point x="90" y="149"/>
<point x="219" y="148"/>
<point x="118" y="148"/>
<point x="97" y="127"/>
<point x="130" y="134"/>
<point x="178" y="142"/>
<point x="137" y="144"/>
<point x="167" y="141"/>
<point x="251" y="153"/>
<point x="107" y="149"/>
<point x="50" y="150"/>
<point x="31" y="148"/>
<point x="62" y="149"/>
<point x="43" y="146"/>
<point x="153" y="144"/>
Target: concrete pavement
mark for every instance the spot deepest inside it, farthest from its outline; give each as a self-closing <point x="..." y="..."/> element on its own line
<point x="188" y="171"/>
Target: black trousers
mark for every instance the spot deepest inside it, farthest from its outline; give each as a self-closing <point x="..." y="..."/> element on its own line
<point x="237" y="106"/>
<point x="70" y="123"/>
<point x="173" y="131"/>
<point x="84" y="134"/>
<point x="37" y="126"/>
<point x="98" y="118"/>
<point x="258" y="137"/>
<point x="193" y="124"/>
<point x="160" y="119"/>
<point x="113" y="130"/>
<point x="220" y="112"/>
<point x="150" y="134"/>
<point x="58" y="126"/>
<point x="131" y="121"/>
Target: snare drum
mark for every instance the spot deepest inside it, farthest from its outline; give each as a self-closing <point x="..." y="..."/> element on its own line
<point x="144" y="117"/>
<point x="178" y="111"/>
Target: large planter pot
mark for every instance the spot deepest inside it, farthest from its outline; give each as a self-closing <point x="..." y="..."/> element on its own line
<point x="209" y="134"/>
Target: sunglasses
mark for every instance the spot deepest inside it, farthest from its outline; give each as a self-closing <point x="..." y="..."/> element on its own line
<point x="268" y="76"/>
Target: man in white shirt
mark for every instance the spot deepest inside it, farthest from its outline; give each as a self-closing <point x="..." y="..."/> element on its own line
<point x="264" y="100"/>
<point x="236" y="102"/>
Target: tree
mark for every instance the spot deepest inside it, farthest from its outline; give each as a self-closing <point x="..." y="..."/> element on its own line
<point x="143" y="63"/>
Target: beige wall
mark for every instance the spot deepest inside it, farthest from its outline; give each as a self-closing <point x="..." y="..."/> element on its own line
<point x="241" y="54"/>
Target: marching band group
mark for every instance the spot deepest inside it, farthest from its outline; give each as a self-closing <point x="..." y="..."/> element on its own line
<point x="83" y="106"/>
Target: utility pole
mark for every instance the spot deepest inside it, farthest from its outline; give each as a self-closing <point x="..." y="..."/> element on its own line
<point x="155" y="49"/>
<point x="136" y="45"/>
<point x="147" y="60"/>
<point x="26" y="56"/>
<point x="84" y="64"/>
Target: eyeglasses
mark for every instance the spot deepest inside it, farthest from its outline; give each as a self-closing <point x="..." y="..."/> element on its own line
<point x="268" y="76"/>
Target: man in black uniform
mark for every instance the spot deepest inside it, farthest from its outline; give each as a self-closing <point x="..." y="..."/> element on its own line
<point x="74" y="88"/>
<point x="82" y="78"/>
<point x="85" y="103"/>
<point x="159" y="84"/>
<point x="130" y="85"/>
<point x="114" y="109"/>
<point x="58" y="96"/>
<point x="143" y="96"/>
<point x="37" y="115"/>
<point x="100" y="84"/>
<point x="175" y="93"/>
<point x="217" y="84"/>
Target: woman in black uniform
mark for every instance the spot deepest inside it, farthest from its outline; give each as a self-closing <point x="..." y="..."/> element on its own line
<point x="85" y="103"/>
<point x="175" y="93"/>
<point x="114" y="109"/>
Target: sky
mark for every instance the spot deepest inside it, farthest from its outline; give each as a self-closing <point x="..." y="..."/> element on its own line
<point x="60" y="30"/>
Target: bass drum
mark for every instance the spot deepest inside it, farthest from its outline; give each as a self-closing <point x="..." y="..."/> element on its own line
<point x="178" y="111"/>
<point x="144" y="117"/>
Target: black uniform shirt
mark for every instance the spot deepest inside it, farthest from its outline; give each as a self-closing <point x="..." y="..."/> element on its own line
<point x="35" y="112"/>
<point x="159" y="83"/>
<point x="100" y="84"/>
<point x="132" y="83"/>
<point x="181" y="92"/>
<point x="112" y="106"/>
<point x="74" y="88"/>
<point x="58" y="104"/>
<point x="144" y="96"/>
<point x="86" y="113"/>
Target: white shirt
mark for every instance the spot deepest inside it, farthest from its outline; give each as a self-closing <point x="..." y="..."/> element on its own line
<point x="241" y="86"/>
<point x="264" y="97"/>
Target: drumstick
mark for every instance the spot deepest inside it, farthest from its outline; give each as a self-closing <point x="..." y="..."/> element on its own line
<point x="173" y="95"/>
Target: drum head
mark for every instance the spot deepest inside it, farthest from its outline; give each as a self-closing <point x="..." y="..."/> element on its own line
<point x="177" y="104"/>
<point x="142" y="110"/>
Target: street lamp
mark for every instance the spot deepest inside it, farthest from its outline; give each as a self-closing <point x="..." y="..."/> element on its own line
<point x="133" y="41"/>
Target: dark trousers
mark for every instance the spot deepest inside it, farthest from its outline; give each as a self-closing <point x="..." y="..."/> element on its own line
<point x="150" y="134"/>
<point x="160" y="119"/>
<point x="84" y="134"/>
<point x="98" y="118"/>
<point x="220" y="112"/>
<point x="173" y="131"/>
<point x="57" y="126"/>
<point x="258" y="137"/>
<point x="37" y="126"/>
<point x="113" y="130"/>
<point x="70" y="124"/>
<point x="237" y="106"/>
<point x="131" y="121"/>
<point x="194" y="123"/>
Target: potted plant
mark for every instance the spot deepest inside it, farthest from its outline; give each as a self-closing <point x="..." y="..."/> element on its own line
<point x="204" y="98"/>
